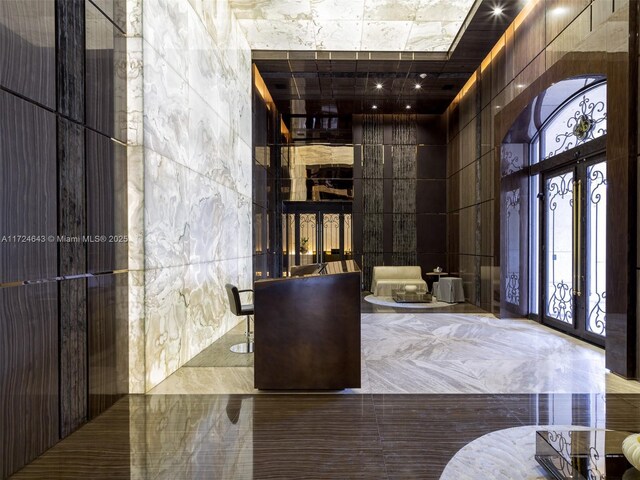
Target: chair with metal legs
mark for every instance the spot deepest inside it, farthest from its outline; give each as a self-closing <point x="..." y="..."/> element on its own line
<point x="237" y="308"/>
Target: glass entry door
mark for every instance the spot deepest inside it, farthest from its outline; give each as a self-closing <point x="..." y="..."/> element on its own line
<point x="316" y="232"/>
<point x="574" y="249"/>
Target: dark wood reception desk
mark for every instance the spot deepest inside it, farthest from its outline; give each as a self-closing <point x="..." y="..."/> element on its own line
<point x="307" y="332"/>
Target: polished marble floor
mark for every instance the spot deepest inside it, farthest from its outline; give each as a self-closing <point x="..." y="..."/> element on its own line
<point x="440" y="392"/>
<point x="433" y="353"/>
<point x="325" y="437"/>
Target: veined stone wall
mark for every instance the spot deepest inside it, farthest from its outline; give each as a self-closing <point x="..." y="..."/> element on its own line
<point x="197" y="177"/>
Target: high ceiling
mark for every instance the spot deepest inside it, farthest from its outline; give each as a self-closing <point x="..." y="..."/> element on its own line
<point x="318" y="83"/>
<point x="362" y="25"/>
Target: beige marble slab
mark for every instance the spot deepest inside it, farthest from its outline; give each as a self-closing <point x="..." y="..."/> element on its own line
<point x="437" y="353"/>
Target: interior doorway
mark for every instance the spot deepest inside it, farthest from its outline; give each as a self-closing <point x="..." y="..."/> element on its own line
<point x="573" y="248"/>
<point x="316" y="232"/>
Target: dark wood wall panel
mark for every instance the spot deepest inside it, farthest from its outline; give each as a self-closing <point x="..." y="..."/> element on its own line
<point x="105" y="87"/>
<point x="70" y="47"/>
<point x="399" y="186"/>
<point x="28" y="373"/>
<point x="72" y="204"/>
<point x="59" y="178"/>
<point x="108" y="340"/>
<point x="106" y="163"/>
<point x="271" y="186"/>
<point x="27" y="49"/>
<point x="114" y="10"/>
<point x="528" y="59"/>
<point x="27" y="190"/>
<point x="73" y="354"/>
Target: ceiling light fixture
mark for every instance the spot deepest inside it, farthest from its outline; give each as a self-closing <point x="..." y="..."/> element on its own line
<point x="374" y="107"/>
<point x="408" y="107"/>
<point x="379" y="86"/>
<point x="497" y="10"/>
<point x="418" y="86"/>
<point x="423" y="75"/>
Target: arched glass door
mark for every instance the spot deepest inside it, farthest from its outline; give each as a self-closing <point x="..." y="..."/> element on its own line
<point x="573" y="249"/>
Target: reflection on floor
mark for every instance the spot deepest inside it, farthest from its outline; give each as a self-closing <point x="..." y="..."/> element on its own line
<point x="313" y="436"/>
<point x="436" y="353"/>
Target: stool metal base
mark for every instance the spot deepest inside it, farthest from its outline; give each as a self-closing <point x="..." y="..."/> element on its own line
<point x="246" y="347"/>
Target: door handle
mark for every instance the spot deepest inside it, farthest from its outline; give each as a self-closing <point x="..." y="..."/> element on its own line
<point x="577" y="237"/>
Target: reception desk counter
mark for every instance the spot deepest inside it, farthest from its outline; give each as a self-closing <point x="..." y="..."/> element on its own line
<point x="307" y="332"/>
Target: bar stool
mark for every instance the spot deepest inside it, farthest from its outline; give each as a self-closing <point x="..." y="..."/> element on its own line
<point x="238" y="309"/>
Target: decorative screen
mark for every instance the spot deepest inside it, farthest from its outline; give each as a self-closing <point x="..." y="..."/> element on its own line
<point x="578" y="121"/>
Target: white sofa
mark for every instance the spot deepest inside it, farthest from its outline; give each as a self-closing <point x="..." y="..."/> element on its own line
<point x="386" y="279"/>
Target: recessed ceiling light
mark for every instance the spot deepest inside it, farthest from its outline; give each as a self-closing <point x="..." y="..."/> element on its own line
<point x="374" y="107"/>
<point x="418" y="86"/>
<point x="408" y="107"/>
<point x="497" y="10"/>
<point x="379" y="86"/>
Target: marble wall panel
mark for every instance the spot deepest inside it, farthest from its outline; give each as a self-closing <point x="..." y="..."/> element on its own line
<point x="166" y="108"/>
<point x="135" y="192"/>
<point x="135" y="91"/>
<point x="213" y="221"/>
<point x="136" y="331"/>
<point x="28" y="190"/>
<point x="186" y="309"/>
<point x="198" y="170"/>
<point x="27" y="32"/>
<point x="135" y="206"/>
<point x="166" y="214"/>
<point x="166" y="28"/>
<point x="212" y="141"/>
